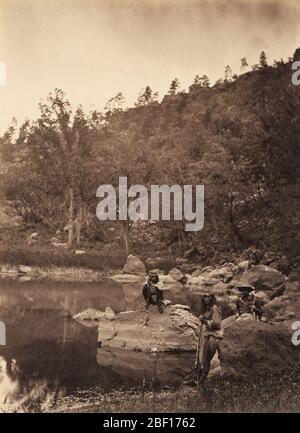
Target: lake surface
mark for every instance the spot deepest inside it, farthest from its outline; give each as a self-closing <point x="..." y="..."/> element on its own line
<point x="47" y="351"/>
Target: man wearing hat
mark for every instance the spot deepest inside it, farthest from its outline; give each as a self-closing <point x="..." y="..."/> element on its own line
<point x="247" y="304"/>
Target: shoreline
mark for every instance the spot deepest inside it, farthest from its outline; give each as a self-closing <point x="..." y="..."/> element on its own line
<point x="55" y="273"/>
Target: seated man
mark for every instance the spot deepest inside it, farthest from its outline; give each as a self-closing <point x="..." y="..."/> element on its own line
<point x="152" y="293"/>
<point x="259" y="299"/>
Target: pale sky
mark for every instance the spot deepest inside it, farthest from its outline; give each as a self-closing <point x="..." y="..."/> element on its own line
<point x="92" y="49"/>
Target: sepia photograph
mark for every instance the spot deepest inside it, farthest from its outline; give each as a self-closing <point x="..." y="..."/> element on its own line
<point x="149" y="209"/>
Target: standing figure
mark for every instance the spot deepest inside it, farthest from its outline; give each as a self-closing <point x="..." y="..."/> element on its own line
<point x="212" y="334"/>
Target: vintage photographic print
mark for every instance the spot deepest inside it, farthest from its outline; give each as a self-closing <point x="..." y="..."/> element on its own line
<point x="149" y="208"/>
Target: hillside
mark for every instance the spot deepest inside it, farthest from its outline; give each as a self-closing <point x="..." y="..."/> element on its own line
<point x="239" y="137"/>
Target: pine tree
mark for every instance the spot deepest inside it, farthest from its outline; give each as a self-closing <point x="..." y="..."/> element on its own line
<point x="174" y="86"/>
<point x="228" y="74"/>
<point x="146" y="96"/>
<point x="115" y="104"/>
<point x="202" y="81"/>
<point x="197" y="79"/>
<point x="244" y="63"/>
<point x="263" y="60"/>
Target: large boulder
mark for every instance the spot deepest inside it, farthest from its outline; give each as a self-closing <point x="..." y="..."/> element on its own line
<point x="209" y="277"/>
<point x="279" y="309"/>
<point x="292" y="288"/>
<point x="220" y="288"/>
<point x="188" y="268"/>
<point x="173" y="330"/>
<point x="176" y="274"/>
<point x="157" y="262"/>
<point x="134" y="266"/>
<point x="244" y="265"/>
<point x="264" y="278"/>
<point x="167" y="279"/>
<point x="23" y="269"/>
<point x="198" y="281"/>
<point x="249" y="346"/>
<point x="224" y="274"/>
<point x="284" y="308"/>
<point x="196" y="273"/>
<point x="211" y="281"/>
<point x="295" y="274"/>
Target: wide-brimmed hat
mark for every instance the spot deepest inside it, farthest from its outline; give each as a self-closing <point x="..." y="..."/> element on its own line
<point x="245" y="288"/>
<point x="205" y="294"/>
<point x="209" y="295"/>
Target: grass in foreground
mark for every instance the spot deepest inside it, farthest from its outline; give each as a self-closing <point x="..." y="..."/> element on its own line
<point x="261" y="393"/>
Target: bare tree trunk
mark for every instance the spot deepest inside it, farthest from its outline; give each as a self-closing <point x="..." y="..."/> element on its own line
<point x="71" y="219"/>
<point x="79" y="225"/>
<point x="125" y="232"/>
<point x="215" y="227"/>
<point x="235" y="230"/>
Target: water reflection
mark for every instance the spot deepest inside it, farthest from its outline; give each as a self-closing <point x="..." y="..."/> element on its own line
<point x="139" y="368"/>
<point x="9" y="385"/>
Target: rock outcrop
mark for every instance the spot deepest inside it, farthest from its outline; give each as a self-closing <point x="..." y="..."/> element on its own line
<point x="224" y="281"/>
<point x="174" y="330"/>
<point x="209" y="277"/>
<point x="23" y="269"/>
<point x="176" y="274"/>
<point x="284" y="308"/>
<point x="134" y="266"/>
<point x="94" y="315"/>
<point x="295" y="274"/>
<point x="249" y="346"/>
<point x="264" y="278"/>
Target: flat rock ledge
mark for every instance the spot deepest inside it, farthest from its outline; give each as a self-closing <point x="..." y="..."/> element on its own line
<point x="173" y="330"/>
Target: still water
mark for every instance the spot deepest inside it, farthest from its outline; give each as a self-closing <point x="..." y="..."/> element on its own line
<point x="47" y="351"/>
